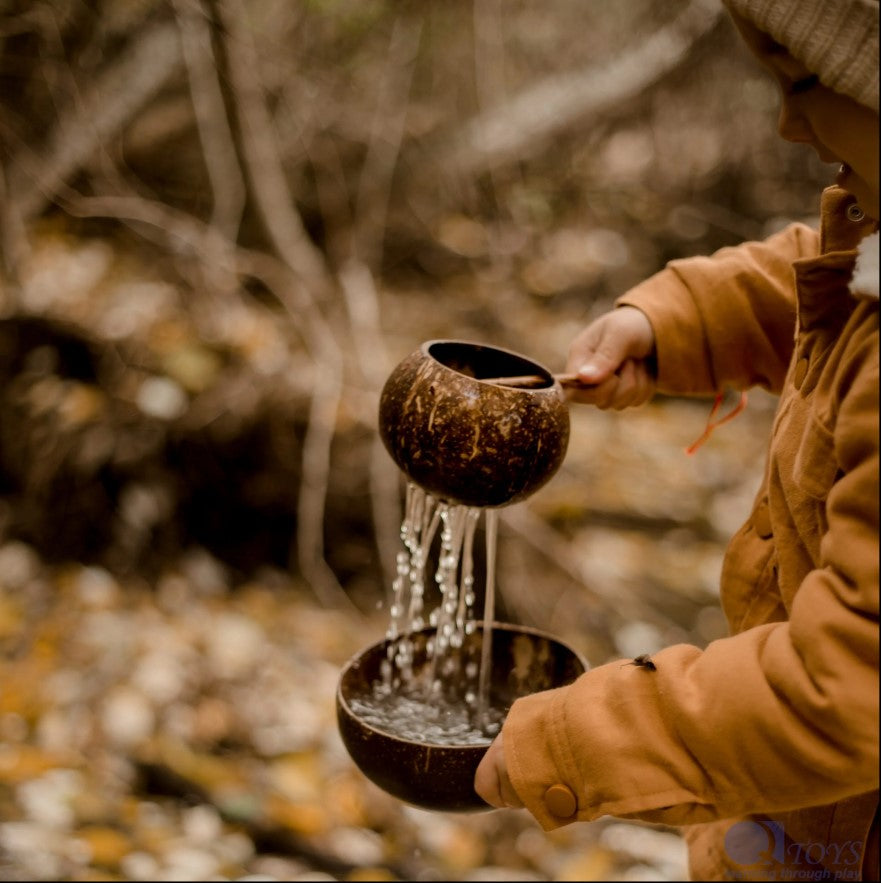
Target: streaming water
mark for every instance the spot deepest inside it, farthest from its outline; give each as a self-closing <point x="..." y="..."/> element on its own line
<point x="492" y="521"/>
<point x="436" y="691"/>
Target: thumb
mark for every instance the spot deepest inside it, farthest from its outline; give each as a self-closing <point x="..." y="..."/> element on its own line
<point x="606" y="344"/>
<point x="599" y="364"/>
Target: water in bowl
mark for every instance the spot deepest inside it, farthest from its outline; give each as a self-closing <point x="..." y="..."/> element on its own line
<point x="437" y="721"/>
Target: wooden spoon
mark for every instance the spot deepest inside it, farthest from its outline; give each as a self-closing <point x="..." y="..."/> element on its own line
<point x="535" y="380"/>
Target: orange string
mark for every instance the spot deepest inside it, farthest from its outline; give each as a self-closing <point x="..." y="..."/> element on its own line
<point x="711" y="424"/>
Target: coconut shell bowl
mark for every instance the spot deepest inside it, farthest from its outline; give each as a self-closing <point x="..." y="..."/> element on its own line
<point x="459" y="421"/>
<point x="438" y="775"/>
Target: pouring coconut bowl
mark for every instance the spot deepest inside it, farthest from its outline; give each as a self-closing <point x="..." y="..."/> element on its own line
<point x="456" y="428"/>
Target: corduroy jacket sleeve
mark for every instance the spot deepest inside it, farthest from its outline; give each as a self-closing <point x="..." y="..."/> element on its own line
<point x="783" y="715"/>
<point x="727" y="319"/>
<point x="779" y="717"/>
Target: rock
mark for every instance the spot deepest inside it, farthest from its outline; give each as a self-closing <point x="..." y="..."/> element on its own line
<point x="355" y="846"/>
<point x="234" y="645"/>
<point x="19" y="564"/>
<point x="664" y="852"/>
<point x="182" y="862"/>
<point x="494" y="872"/>
<point x="595" y="863"/>
<point x="161" y="397"/>
<point x="201" y="824"/>
<point x="47" y="799"/>
<point x="139" y="866"/>
<point x="127" y="716"/>
<point x="96" y="587"/>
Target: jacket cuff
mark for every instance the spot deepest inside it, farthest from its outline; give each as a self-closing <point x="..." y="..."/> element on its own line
<point x="532" y="721"/>
<point x="628" y="762"/>
<point x="669" y="307"/>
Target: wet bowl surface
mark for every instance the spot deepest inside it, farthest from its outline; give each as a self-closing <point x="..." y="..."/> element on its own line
<point x="465" y="439"/>
<point x="441" y="776"/>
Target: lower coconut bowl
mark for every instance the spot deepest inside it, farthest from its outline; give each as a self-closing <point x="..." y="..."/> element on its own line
<point x="423" y="770"/>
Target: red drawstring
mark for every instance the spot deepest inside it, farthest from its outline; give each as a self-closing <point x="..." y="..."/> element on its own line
<point x="708" y="430"/>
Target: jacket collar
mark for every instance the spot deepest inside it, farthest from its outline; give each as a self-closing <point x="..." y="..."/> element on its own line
<point x="846" y="229"/>
<point x="842" y="223"/>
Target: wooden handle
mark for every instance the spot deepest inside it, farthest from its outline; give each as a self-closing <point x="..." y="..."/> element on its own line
<point x="534" y="379"/>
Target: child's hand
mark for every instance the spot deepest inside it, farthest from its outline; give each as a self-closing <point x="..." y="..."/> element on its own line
<point x="491" y="780"/>
<point x="610" y="356"/>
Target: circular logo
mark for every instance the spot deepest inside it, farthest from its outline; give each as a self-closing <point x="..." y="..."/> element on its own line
<point x="750" y="843"/>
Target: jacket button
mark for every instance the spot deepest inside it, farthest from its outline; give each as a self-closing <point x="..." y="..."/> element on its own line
<point x="762" y="521"/>
<point x="801" y="370"/>
<point x="560" y="801"/>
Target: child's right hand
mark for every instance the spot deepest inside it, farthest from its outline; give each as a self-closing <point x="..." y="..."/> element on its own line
<point x="611" y="357"/>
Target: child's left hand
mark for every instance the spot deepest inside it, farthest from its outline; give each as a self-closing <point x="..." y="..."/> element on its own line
<point x="491" y="780"/>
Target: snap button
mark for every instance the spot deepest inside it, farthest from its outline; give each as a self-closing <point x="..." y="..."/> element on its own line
<point x="560" y="801"/>
<point x="762" y="520"/>
<point x="855" y="213"/>
<point x="801" y="369"/>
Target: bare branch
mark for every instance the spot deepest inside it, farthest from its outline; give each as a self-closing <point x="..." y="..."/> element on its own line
<point x="362" y="301"/>
<point x="302" y="258"/>
<point x="262" y="156"/>
<point x="520" y="126"/>
<point x="489" y="62"/>
<point x="356" y="279"/>
<point x="13" y="247"/>
<point x="385" y="140"/>
<point x="122" y="90"/>
<point x="218" y="146"/>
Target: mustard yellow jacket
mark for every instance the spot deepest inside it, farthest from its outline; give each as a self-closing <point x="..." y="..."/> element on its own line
<point x="764" y="743"/>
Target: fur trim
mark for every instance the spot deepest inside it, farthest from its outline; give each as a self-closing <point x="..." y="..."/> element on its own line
<point x="865" y="272"/>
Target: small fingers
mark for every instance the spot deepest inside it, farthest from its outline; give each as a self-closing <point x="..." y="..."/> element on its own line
<point x="601" y="394"/>
<point x="509" y="795"/>
<point x="629" y="387"/>
<point x="487" y="782"/>
<point x="491" y="780"/>
<point x="635" y="387"/>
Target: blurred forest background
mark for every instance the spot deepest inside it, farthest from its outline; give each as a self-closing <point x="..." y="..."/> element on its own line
<point x="223" y="223"/>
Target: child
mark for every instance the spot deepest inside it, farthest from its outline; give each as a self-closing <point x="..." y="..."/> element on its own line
<point x="764" y="745"/>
